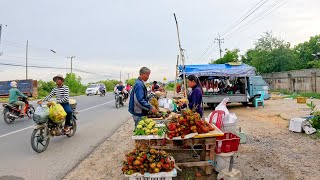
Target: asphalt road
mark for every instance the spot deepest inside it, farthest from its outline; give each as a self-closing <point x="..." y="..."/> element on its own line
<point x="98" y="119"/>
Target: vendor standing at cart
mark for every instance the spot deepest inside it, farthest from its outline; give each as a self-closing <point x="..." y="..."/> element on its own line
<point x="139" y="105"/>
<point x="195" y="97"/>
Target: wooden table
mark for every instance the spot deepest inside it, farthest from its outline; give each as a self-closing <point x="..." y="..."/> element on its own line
<point x="207" y="153"/>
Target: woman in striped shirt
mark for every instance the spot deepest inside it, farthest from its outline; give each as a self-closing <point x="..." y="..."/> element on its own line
<point x="62" y="95"/>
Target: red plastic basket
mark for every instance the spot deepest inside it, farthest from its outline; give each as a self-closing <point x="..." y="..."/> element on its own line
<point x="229" y="142"/>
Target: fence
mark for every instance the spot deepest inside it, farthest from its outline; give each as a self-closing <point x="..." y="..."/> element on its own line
<point x="306" y="80"/>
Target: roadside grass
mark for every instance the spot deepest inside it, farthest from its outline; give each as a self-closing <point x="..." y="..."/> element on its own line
<point x="294" y="95"/>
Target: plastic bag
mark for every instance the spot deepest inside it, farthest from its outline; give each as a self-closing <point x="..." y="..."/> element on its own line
<point x="222" y="107"/>
<point x="230" y="118"/>
<point x="57" y="113"/>
<point x="41" y="114"/>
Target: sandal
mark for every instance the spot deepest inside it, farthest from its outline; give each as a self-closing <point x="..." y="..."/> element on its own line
<point x="66" y="130"/>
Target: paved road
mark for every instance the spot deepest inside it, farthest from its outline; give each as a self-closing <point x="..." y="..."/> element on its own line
<point x="98" y="119"/>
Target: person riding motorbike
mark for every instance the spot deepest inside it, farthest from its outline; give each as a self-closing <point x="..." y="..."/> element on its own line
<point x="62" y="95"/>
<point x="14" y="93"/>
<point x="102" y="89"/>
<point x="119" y="88"/>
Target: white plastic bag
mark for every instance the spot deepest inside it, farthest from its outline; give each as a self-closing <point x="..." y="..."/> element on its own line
<point x="41" y="114"/>
<point x="230" y="118"/>
<point x="222" y="107"/>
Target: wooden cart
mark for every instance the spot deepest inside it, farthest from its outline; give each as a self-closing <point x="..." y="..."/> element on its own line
<point x="207" y="153"/>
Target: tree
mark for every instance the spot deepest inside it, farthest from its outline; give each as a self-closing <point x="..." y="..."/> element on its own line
<point x="268" y="42"/>
<point x="229" y="56"/>
<point x="131" y="81"/>
<point x="305" y="50"/>
<point x="74" y="83"/>
<point x="271" y="54"/>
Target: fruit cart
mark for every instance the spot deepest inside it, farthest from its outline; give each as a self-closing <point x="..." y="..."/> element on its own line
<point x="207" y="153"/>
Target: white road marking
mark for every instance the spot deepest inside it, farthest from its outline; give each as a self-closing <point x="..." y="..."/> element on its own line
<point x="4" y="135"/>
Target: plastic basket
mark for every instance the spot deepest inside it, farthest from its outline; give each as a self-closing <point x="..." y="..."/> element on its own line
<point x="301" y="100"/>
<point x="229" y="142"/>
<point x="156" y="176"/>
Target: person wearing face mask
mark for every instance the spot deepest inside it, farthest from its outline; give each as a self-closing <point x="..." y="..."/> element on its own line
<point x="139" y="105"/>
<point x="195" y="97"/>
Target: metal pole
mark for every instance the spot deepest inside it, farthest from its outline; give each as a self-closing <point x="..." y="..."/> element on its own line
<point x="27" y="59"/>
<point x="231" y="163"/>
<point x="175" y="82"/>
<point x="182" y="58"/>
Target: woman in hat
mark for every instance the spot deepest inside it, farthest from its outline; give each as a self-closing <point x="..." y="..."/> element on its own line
<point x="62" y="95"/>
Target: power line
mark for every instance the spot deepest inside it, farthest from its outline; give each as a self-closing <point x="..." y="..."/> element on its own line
<point x="235" y="24"/>
<point x="268" y="11"/>
<point x="246" y="17"/>
<point x="52" y="67"/>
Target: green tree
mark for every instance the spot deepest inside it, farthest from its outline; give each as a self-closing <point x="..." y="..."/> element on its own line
<point x="110" y="84"/>
<point x="271" y="54"/>
<point x="229" y="56"/>
<point x="305" y="50"/>
<point x="74" y="83"/>
<point x="131" y="81"/>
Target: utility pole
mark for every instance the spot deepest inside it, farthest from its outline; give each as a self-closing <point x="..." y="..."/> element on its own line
<point x="71" y="57"/>
<point x="0" y="36"/>
<point x="219" y="41"/>
<point x="128" y="76"/>
<point x="27" y="59"/>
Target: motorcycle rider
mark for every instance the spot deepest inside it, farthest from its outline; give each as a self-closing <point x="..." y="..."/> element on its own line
<point x="62" y="95"/>
<point x="119" y="88"/>
<point x="14" y="93"/>
<point x="102" y="89"/>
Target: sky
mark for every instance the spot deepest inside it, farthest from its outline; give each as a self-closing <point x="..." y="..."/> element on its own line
<point x="108" y="37"/>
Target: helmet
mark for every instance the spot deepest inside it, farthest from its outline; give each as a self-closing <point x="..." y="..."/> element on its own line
<point x="13" y="84"/>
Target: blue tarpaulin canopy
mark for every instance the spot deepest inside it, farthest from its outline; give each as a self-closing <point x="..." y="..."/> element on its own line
<point x="242" y="70"/>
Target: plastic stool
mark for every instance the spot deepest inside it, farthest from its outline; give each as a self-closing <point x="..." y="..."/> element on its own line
<point x="220" y="116"/>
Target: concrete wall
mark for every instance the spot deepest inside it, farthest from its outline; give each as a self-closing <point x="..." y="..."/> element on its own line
<point x="306" y="80"/>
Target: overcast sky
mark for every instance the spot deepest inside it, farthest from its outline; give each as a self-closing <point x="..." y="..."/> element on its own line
<point x="109" y="36"/>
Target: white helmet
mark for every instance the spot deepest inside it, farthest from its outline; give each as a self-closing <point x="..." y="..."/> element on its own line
<point x="13" y="84"/>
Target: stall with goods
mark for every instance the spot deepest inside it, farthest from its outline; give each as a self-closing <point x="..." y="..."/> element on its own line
<point x="144" y="161"/>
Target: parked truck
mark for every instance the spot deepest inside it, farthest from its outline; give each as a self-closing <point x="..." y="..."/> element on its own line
<point x="29" y="87"/>
<point x="216" y="81"/>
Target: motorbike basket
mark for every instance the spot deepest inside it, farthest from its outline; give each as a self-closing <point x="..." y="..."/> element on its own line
<point x="40" y="120"/>
<point x="73" y="103"/>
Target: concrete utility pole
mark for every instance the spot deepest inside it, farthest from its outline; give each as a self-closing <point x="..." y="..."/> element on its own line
<point x="0" y="36"/>
<point x="71" y="62"/>
<point x="27" y="59"/>
<point x="220" y="41"/>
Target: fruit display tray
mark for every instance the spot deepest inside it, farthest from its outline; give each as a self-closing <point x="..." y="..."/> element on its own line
<point x="141" y="137"/>
<point x="155" y="176"/>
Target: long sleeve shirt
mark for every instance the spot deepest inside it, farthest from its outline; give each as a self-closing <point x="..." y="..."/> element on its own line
<point x="61" y="93"/>
<point x="14" y="93"/>
<point x="195" y="100"/>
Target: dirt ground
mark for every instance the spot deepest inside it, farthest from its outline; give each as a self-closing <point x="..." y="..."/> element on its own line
<point x="271" y="151"/>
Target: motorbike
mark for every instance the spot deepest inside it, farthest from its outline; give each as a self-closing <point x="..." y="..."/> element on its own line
<point x="12" y="112"/>
<point x="44" y="131"/>
<point x="102" y="92"/>
<point x="119" y="97"/>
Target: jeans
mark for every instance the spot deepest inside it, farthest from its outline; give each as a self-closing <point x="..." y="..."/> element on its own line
<point x="68" y="110"/>
<point x="136" y="119"/>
